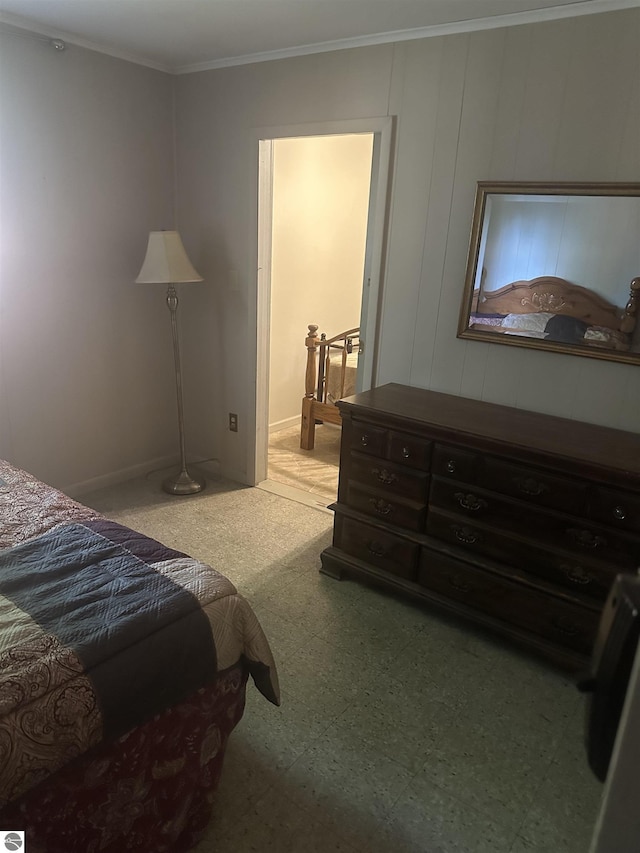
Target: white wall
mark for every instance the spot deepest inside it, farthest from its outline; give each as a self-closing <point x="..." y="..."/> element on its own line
<point x="590" y="241"/>
<point x="86" y="371"/>
<point x="551" y="101"/>
<point x="320" y="208"/>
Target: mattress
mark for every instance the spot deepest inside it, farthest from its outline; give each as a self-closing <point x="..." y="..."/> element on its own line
<point x="102" y="629"/>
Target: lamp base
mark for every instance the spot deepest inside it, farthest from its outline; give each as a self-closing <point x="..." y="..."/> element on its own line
<point x="183" y="484"/>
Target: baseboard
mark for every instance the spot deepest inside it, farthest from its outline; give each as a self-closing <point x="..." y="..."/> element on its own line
<point x="287" y="423"/>
<point x="164" y="464"/>
<point x="209" y="467"/>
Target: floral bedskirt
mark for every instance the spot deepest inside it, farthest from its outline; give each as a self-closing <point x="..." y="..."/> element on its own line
<point x="149" y="791"/>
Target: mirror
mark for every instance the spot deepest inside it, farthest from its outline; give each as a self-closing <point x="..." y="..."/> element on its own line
<point x="555" y="267"/>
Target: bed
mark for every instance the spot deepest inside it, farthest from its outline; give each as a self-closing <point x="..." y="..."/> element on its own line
<point x="553" y="309"/>
<point x="330" y="375"/>
<point x="123" y="666"/>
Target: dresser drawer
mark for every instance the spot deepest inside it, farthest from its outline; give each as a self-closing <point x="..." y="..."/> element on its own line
<point x="534" y="486"/>
<point x="388" y="478"/>
<point x="392" y="553"/>
<point x="504" y="515"/>
<point x="410" y="450"/>
<point x="391" y="509"/>
<point x="580" y="573"/>
<point x="368" y="439"/>
<point x="454" y="463"/>
<point x="620" y="510"/>
<point x="465" y="499"/>
<point x="581" y="576"/>
<point x="598" y="543"/>
<point x="474" y="538"/>
<point x="553" y="618"/>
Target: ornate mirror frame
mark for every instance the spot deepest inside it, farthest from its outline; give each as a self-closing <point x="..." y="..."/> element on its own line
<point x="555" y="267"/>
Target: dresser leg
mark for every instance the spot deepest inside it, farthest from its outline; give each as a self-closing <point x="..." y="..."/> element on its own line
<point x="330" y="567"/>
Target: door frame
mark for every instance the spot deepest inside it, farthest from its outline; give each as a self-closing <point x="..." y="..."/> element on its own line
<point x="262" y="188"/>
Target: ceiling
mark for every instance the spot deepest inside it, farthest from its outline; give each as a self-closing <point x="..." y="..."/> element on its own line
<point x="188" y="35"/>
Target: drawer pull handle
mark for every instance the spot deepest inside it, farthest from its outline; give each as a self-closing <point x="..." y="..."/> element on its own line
<point x="565" y="626"/>
<point x="619" y="512"/>
<point x="576" y="574"/>
<point x="384" y="476"/>
<point x="529" y="486"/>
<point x="465" y="535"/>
<point x="586" y="539"/>
<point x="375" y="548"/>
<point x="457" y="583"/>
<point x="380" y="506"/>
<point x="451" y="466"/>
<point x="364" y="440"/>
<point x="470" y="502"/>
<point x="406" y="453"/>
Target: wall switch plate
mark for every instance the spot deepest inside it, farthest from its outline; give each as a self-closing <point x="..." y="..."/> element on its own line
<point x="233" y="422"/>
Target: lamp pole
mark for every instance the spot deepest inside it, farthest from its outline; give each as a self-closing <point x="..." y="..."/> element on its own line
<point x="166" y="262"/>
<point x="183" y="483"/>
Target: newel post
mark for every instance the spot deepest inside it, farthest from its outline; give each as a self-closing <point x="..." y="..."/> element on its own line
<point x="308" y="426"/>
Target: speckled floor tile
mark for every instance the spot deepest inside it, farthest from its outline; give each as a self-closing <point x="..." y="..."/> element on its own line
<point x="565" y="807"/>
<point x="316" y="601"/>
<point x="348" y="669"/>
<point x="285" y="636"/>
<point x="407" y="740"/>
<point x="486" y="770"/>
<point x="379" y="641"/>
<point x="448" y="670"/>
<point x="373" y="617"/>
<point x="280" y="735"/>
<point x="277" y="824"/>
<point x="245" y="778"/>
<point x="352" y="784"/>
<point x="531" y="712"/>
<point x="426" y="818"/>
<point x="268" y="825"/>
<point x="402" y="730"/>
<point x="307" y="557"/>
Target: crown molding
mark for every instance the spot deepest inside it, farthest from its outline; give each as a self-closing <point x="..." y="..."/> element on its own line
<point x="28" y="28"/>
<point x="24" y="27"/>
<point x="572" y="10"/>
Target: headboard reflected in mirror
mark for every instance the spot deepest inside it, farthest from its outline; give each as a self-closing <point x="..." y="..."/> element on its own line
<point x="555" y="267"/>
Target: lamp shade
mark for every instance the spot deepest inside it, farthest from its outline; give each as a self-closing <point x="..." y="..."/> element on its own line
<point x="166" y="261"/>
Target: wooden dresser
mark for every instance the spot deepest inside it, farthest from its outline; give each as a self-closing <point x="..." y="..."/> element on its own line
<point x="517" y="520"/>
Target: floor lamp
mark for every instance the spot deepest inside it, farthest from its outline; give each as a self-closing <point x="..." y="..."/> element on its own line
<point x="166" y="262"/>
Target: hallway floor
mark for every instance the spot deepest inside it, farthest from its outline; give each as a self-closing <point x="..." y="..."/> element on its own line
<point x="312" y="471"/>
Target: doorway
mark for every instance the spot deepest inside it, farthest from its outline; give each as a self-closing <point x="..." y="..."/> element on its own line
<point x="322" y="199"/>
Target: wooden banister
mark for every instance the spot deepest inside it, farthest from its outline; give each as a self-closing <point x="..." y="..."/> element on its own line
<point x="315" y="405"/>
<point x="311" y="341"/>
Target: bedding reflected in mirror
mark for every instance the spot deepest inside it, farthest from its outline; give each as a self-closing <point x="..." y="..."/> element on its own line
<point x="555" y="267"/>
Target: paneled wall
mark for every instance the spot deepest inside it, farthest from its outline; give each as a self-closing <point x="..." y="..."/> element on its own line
<point x="86" y="373"/>
<point x="556" y="101"/>
<point x="552" y="101"/>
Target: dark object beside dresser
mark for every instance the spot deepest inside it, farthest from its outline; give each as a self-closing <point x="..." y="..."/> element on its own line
<point x="515" y="519"/>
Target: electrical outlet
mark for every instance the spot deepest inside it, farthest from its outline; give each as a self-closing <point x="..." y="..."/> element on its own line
<point x="233" y="422"/>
